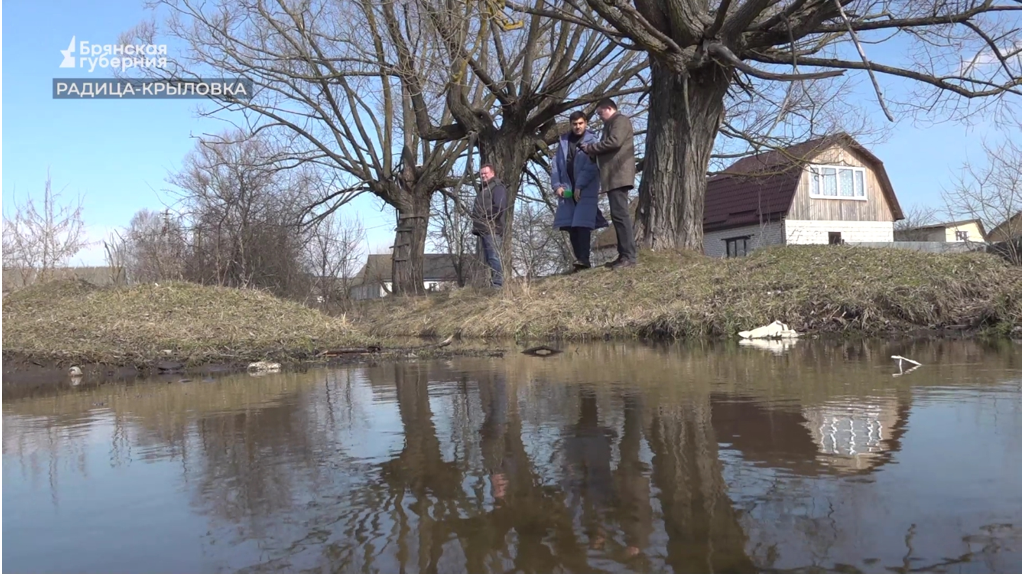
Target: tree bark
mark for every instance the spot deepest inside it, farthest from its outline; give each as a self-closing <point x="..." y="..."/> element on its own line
<point x="410" y="240"/>
<point x="680" y="136"/>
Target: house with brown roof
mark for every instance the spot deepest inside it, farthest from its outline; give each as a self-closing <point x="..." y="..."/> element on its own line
<point x="972" y="230"/>
<point x="1006" y="231"/>
<point x="373" y="281"/>
<point x="830" y="190"/>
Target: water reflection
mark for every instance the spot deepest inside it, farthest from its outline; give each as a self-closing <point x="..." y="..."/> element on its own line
<point x="607" y="458"/>
<point x="836" y="436"/>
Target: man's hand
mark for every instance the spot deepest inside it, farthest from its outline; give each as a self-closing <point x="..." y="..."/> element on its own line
<point x="560" y="192"/>
<point x="576" y="195"/>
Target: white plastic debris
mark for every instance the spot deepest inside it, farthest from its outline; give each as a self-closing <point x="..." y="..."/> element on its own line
<point x="264" y="367"/>
<point x="774" y="346"/>
<point x="773" y="330"/>
<point x="899" y="361"/>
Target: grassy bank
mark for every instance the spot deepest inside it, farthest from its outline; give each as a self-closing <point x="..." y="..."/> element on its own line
<point x="815" y="289"/>
<point x="73" y="321"/>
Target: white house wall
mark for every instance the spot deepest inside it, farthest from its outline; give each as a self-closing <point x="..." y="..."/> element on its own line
<point x="973" y="232"/>
<point x="803" y="232"/>
<point x="760" y="236"/>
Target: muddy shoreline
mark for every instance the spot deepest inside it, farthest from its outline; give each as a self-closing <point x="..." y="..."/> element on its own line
<point x="24" y="369"/>
<point x="27" y="370"/>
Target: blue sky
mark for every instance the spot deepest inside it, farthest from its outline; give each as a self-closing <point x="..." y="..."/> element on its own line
<point x="119" y="154"/>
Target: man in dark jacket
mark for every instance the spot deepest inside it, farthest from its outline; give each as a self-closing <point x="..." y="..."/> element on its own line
<point x="489" y="210"/>
<point x="617" y="162"/>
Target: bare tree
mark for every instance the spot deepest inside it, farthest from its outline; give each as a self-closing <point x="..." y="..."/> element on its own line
<point x="366" y="87"/>
<point x="452" y="231"/>
<point x="507" y="83"/>
<point x="916" y="216"/>
<point x="991" y="193"/>
<point x="115" y="249"/>
<point x="333" y="253"/>
<point x="700" y="54"/>
<point x="325" y="81"/>
<point x="242" y="211"/>
<point x="38" y="242"/>
<point x="538" y="249"/>
<point x="156" y="247"/>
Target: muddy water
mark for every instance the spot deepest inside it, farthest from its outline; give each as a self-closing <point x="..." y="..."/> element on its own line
<point x="605" y="458"/>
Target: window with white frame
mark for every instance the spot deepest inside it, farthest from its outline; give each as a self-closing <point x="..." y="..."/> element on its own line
<point x="838" y="182"/>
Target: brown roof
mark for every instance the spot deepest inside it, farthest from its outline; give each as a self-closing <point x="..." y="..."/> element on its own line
<point x="1009" y="229"/>
<point x="735" y="201"/>
<point x="436" y="267"/>
<point x="761" y="187"/>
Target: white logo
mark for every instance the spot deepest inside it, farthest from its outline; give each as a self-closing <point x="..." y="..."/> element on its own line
<point x="113" y="56"/>
<point x="69" y="60"/>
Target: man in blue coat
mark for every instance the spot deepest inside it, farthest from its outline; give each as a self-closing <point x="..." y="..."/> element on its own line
<point x="576" y="181"/>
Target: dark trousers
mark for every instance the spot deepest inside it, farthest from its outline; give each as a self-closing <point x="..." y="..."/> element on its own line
<point x="618" y="201"/>
<point x="579" y="237"/>
<point x="490" y="249"/>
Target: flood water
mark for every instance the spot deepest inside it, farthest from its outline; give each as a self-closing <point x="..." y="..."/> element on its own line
<point x="606" y="458"/>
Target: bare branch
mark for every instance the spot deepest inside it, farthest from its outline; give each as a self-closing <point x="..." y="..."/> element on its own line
<point x="939" y="82"/>
<point x="726" y="54"/>
<point x="864" y="58"/>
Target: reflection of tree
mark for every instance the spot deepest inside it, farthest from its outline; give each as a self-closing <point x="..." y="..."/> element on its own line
<point x="703" y="529"/>
<point x="308" y="473"/>
<point x="420" y="466"/>
<point x="535" y="513"/>
<point x="252" y="462"/>
<point x="59" y="443"/>
<point x="420" y="470"/>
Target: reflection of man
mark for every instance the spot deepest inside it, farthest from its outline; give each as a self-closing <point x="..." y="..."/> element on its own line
<point x="633" y="512"/>
<point x="493" y="433"/>
<point x="589" y="455"/>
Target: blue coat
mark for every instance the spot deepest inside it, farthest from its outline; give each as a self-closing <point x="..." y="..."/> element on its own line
<point x="586" y="213"/>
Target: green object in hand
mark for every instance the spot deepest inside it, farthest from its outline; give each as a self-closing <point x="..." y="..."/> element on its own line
<point x="567" y="194"/>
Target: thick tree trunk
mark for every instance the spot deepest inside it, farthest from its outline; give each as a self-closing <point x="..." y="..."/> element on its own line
<point x="671" y="206"/>
<point x="410" y="240"/>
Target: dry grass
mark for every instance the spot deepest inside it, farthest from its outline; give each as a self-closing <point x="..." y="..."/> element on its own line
<point x="815" y="289"/>
<point x="75" y="321"/>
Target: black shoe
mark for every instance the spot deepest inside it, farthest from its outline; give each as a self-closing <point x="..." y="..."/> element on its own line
<point x="612" y="264"/>
<point x="622" y="263"/>
<point x="578" y="266"/>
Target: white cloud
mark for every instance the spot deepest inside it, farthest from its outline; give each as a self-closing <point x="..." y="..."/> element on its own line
<point x="984" y="59"/>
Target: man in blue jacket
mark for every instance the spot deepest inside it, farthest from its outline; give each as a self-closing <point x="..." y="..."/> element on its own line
<point x="576" y="181"/>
